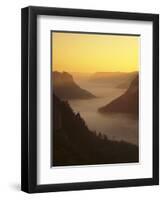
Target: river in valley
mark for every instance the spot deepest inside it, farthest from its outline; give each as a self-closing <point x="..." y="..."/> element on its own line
<point x="114" y="126"/>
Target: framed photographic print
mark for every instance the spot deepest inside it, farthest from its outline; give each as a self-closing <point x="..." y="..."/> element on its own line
<point x="90" y="99"/>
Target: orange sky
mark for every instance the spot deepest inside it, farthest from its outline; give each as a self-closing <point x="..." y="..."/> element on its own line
<point x="74" y="52"/>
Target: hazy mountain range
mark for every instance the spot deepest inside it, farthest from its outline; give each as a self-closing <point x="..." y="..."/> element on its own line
<point x="66" y="88"/>
<point x="118" y="79"/>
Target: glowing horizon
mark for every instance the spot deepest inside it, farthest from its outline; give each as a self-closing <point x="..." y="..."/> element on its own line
<point x="90" y="53"/>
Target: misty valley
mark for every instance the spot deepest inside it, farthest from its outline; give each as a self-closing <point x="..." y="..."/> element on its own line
<point x="95" y="118"/>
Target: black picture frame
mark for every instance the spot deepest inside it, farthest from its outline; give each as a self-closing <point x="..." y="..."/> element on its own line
<point x="29" y="99"/>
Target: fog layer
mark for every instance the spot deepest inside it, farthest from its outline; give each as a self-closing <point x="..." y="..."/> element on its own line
<point x="114" y="126"/>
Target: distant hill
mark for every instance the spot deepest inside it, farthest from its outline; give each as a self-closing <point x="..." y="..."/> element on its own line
<point x="66" y="88"/>
<point x="81" y="76"/>
<point x="118" y="79"/>
<point x="75" y="144"/>
<point x="126" y="103"/>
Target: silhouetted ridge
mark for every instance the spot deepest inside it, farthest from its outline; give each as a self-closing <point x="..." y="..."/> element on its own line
<point x="126" y="103"/>
<point x="66" y="88"/>
<point x="75" y="144"/>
